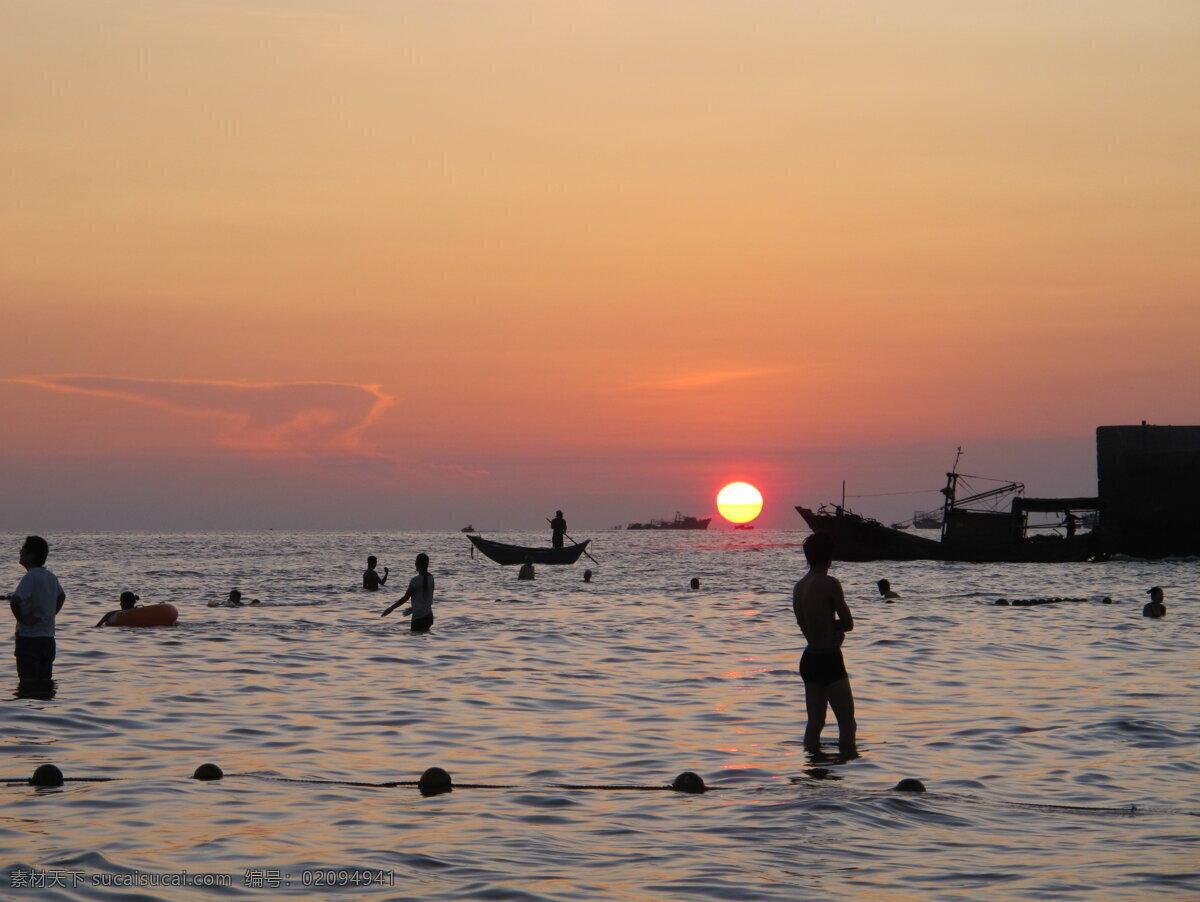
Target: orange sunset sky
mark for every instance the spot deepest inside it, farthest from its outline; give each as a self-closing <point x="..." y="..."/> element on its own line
<point x="423" y="264"/>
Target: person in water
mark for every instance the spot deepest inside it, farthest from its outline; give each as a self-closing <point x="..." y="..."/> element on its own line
<point x="235" y="600"/>
<point x="34" y="603"/>
<point x="558" y="529"/>
<point x="694" y="585"/>
<point x="587" y="576"/>
<point x="526" y="571"/>
<point x="885" y="590"/>
<point x="128" y="600"/>
<point x="420" y="590"/>
<point x="823" y="617"/>
<point x="1155" y="607"/>
<point x="371" y="579"/>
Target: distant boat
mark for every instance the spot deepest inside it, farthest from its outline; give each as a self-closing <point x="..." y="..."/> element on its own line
<point x="468" y="529"/>
<point x="743" y="526"/>
<point x="517" y="554"/>
<point x="927" y="520"/>
<point x="680" y="522"/>
<point x="973" y="528"/>
<point x="921" y="520"/>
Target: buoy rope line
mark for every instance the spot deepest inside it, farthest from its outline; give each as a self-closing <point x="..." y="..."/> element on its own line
<point x="1130" y="809"/>
<point x="393" y="783"/>
<point x="436" y="781"/>
<point x="1032" y="602"/>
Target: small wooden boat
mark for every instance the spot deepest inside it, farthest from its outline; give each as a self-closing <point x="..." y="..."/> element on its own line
<point x="517" y="554"/>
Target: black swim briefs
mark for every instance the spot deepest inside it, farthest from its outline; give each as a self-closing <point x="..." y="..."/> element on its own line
<point x="824" y="667"/>
<point x="421" y="624"/>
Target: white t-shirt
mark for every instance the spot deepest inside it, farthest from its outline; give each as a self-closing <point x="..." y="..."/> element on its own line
<point x="38" y="592"/>
<point x="422" y="600"/>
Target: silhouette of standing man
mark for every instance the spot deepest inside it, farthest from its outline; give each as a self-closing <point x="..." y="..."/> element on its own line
<point x="35" y="603"/>
<point x="823" y="617"/>
<point x="558" y="529"/>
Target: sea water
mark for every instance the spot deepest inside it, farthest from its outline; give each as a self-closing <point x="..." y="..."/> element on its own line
<point x="1058" y="743"/>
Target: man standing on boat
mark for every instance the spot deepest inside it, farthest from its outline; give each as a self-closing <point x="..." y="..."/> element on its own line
<point x="1071" y="522"/>
<point x="558" y="529"/>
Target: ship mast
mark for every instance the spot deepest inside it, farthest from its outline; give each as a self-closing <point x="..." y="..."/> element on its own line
<point x="949" y="491"/>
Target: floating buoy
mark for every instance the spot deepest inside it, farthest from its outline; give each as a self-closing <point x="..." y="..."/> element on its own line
<point x="434" y="782"/>
<point x="208" y="772"/>
<point x="689" y="782"/>
<point x="46" y="775"/>
<point x="909" y="785"/>
<point x="1107" y="600"/>
<point x="1002" y="601"/>
<point x="147" y="615"/>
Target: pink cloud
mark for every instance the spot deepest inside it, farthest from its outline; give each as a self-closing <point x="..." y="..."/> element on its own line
<point x="710" y="378"/>
<point x="289" y="419"/>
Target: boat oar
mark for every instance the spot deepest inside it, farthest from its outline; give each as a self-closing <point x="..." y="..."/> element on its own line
<point x="573" y="542"/>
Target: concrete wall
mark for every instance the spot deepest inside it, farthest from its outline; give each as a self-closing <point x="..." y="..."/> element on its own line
<point x="1149" y="481"/>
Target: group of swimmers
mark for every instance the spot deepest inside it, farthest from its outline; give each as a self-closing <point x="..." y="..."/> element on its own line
<point x="818" y="604"/>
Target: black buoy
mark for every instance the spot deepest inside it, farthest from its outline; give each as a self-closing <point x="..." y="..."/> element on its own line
<point x="1107" y="599"/>
<point x="46" y="775"/>
<point x="689" y="782"/>
<point x="434" y="782"/>
<point x="208" y="772"/>
<point x="909" y="785"/>
<point x="1002" y="601"/>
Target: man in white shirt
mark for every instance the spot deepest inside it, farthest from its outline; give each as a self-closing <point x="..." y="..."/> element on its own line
<point x="34" y="604"/>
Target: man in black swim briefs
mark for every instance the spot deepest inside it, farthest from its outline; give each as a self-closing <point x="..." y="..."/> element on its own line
<point x="823" y="667"/>
<point x="821" y="611"/>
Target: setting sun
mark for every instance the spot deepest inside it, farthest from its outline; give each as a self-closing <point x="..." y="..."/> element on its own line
<point x="739" y="502"/>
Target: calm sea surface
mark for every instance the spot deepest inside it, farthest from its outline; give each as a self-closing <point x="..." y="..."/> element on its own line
<point x="1058" y="743"/>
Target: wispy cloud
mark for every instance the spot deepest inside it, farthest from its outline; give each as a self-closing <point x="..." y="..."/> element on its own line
<point x="287" y="419"/>
<point x="710" y="378"/>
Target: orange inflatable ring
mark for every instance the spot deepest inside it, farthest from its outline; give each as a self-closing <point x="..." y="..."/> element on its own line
<point x="148" y="615"/>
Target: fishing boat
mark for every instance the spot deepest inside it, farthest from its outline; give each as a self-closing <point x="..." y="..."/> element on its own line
<point x="975" y="526"/>
<point x="680" y="522"/>
<point x="518" y="554"/>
